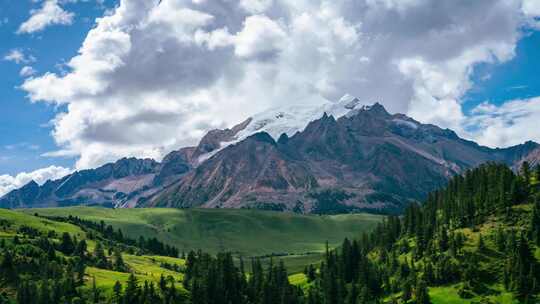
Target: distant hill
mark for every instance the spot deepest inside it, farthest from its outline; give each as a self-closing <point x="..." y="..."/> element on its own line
<point x="337" y="158"/>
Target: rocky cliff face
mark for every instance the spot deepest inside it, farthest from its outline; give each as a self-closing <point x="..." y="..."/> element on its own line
<point x="340" y="157"/>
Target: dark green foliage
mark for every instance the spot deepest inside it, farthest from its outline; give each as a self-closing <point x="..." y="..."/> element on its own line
<point x="534" y="228"/>
<point x="481" y="246"/>
<point x="150" y="245"/>
<point x="421" y="293"/>
<point x="310" y="272"/>
<point x="117" y="291"/>
<point x="100" y="259"/>
<point x="66" y="246"/>
<point x="329" y="201"/>
<point x="218" y="280"/>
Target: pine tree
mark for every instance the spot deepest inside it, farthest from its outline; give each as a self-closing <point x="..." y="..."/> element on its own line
<point x="117" y="290"/>
<point x="119" y="264"/>
<point x="27" y="293"/>
<point x="481" y="246"/>
<point x="443" y="240"/>
<point x="99" y="257"/>
<point x="421" y="293"/>
<point x="162" y="284"/>
<point x="406" y="291"/>
<point x="311" y="273"/>
<point x="79" y="269"/>
<point x="7" y="267"/>
<point x="352" y="297"/>
<point x="44" y="293"/>
<point x="96" y="293"/>
<point x="57" y="292"/>
<point x="131" y="294"/>
<point x="534" y="227"/>
<point x="66" y="245"/>
<point x="77" y="300"/>
<point x="526" y="172"/>
<point x="500" y="239"/>
<point x="428" y="272"/>
<point x="80" y="249"/>
<point x="364" y="296"/>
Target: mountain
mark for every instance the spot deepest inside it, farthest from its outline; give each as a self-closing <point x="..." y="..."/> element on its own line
<point x="113" y="184"/>
<point x="339" y="157"/>
<point x="366" y="159"/>
<point x="96" y="187"/>
<point x="287" y="120"/>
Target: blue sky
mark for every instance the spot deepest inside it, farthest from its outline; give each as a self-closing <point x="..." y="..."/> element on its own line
<point x="26" y="126"/>
<point x="145" y="79"/>
<point x="515" y="79"/>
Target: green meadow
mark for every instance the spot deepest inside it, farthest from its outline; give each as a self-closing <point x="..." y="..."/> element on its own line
<point x="244" y="232"/>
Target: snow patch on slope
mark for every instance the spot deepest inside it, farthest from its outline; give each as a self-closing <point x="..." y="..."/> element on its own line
<point x="406" y="123"/>
<point x="291" y="119"/>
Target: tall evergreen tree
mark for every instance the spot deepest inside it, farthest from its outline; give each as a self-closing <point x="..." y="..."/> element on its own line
<point x="534" y="227"/>
<point x="132" y="291"/>
<point x="99" y="257"/>
<point x="421" y="293"/>
<point x="66" y="245"/>
<point x="117" y="290"/>
<point x="96" y="293"/>
<point x="119" y="264"/>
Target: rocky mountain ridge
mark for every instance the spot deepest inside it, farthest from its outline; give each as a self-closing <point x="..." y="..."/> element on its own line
<point x="367" y="159"/>
<point x="348" y="157"/>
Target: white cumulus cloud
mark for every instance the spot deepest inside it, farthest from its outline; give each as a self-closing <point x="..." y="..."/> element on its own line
<point x="19" y="57"/>
<point x="256" y="6"/>
<point x="27" y="71"/>
<point x="260" y="37"/>
<point x="511" y="123"/>
<point x="50" y="13"/>
<point x="531" y="7"/>
<point x="150" y="78"/>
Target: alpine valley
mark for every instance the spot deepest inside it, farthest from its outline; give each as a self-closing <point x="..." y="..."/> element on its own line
<point x="337" y="158"/>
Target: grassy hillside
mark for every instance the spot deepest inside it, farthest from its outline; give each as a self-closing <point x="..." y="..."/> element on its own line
<point x="489" y="262"/>
<point x="475" y="241"/>
<point x="29" y="234"/>
<point x="22" y="236"/>
<point x="18" y="219"/>
<point x="246" y="232"/>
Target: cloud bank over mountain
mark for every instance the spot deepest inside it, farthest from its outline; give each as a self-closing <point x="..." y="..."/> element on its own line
<point x="150" y="78"/>
<point x="8" y="182"/>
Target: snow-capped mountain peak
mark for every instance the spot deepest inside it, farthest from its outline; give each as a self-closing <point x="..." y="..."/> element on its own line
<point x="291" y="119"/>
<point x="349" y="102"/>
